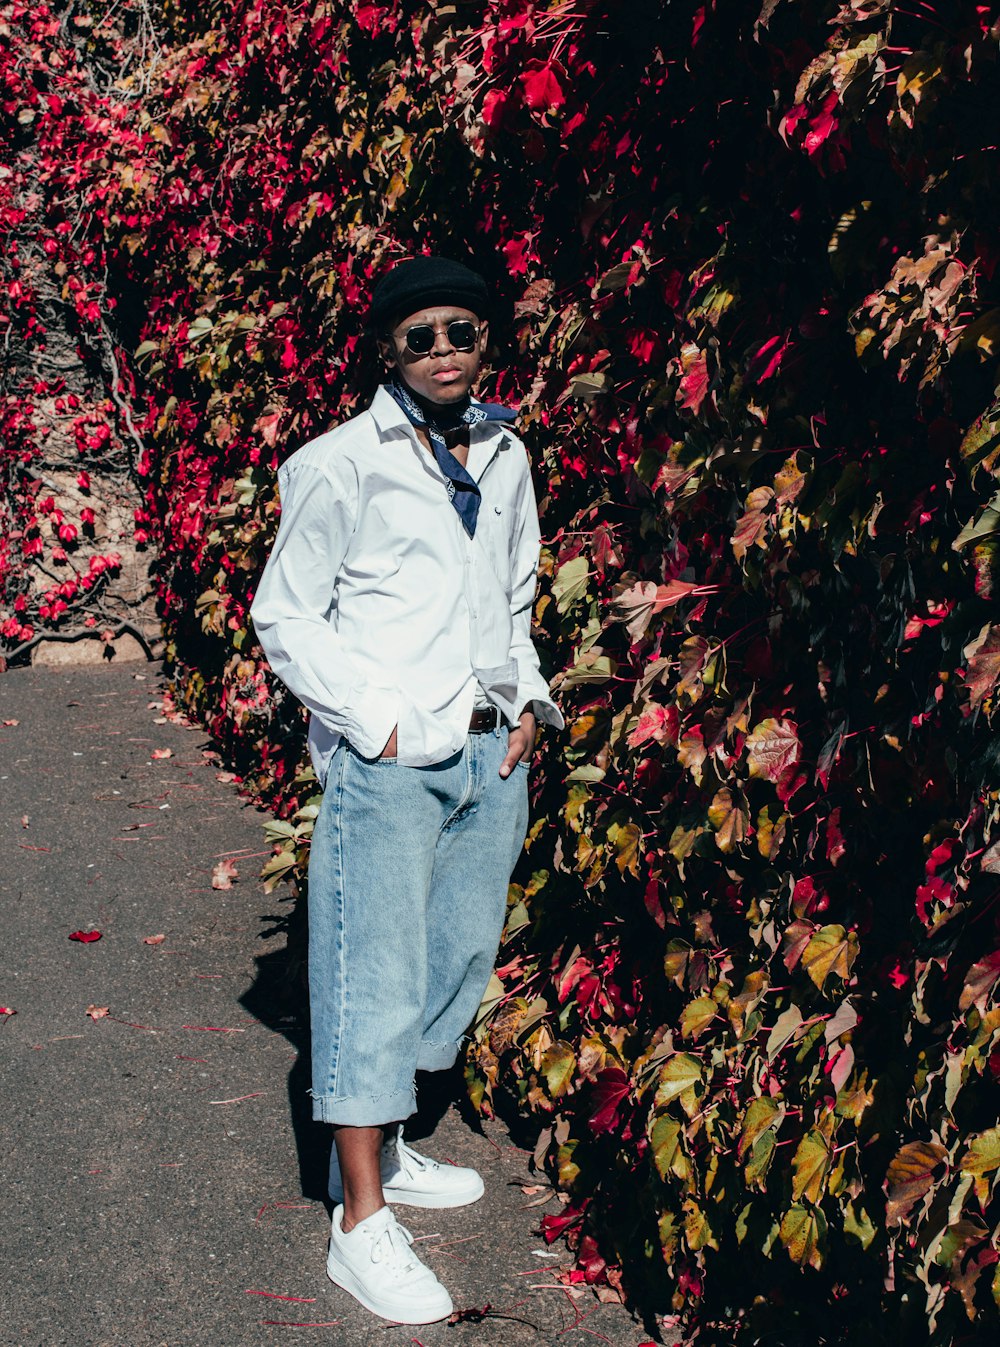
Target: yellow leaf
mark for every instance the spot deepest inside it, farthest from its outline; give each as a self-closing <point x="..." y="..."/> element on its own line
<point x="911" y="1175"/>
<point x="810" y="1165"/>
<point x="801" y="1232"/>
<point x="697" y="1016"/>
<point x="697" y="1228"/>
<point x="760" y="1160"/>
<point x="728" y="816"/>
<point x="983" y="1155"/>
<point x="558" y="1065"/>
<point x="668" y="1153"/>
<point x="761" y="1115"/>
<point x="625" y="839"/>
<point x="679" y="1079"/>
<point x="830" y="950"/>
<point x="770" y="833"/>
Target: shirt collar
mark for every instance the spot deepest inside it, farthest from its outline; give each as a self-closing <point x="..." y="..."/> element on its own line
<point x="389" y="416"/>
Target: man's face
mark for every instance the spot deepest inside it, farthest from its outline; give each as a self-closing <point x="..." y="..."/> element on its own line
<point x="446" y="374"/>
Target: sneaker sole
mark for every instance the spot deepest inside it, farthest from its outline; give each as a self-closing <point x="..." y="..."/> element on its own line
<point x="343" y="1277"/>
<point x="463" y="1197"/>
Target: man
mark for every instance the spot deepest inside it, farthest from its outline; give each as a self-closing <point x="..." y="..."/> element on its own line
<point x="396" y="605"/>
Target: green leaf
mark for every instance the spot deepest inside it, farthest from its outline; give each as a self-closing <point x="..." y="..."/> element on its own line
<point x="588" y="385"/>
<point x="588" y="772"/>
<point x="802" y="1232"/>
<point x="276" y="868"/>
<point x="983" y="526"/>
<point x="858" y="1224"/>
<point x="494" y="993"/>
<point x="593" y="667"/>
<point x="570" y="584"/>
<point x="279" y="830"/>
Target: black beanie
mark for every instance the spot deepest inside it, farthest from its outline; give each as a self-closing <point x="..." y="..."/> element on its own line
<point x="424" y="281"/>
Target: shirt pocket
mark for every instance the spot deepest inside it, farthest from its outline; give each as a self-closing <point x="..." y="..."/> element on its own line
<point x="493" y="534"/>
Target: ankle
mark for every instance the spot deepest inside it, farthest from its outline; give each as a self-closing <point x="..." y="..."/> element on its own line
<point x="358" y="1211"/>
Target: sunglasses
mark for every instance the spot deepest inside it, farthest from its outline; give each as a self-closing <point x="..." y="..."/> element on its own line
<point x="462" y="335"/>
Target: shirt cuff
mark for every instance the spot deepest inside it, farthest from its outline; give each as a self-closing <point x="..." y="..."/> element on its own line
<point x="375" y="713"/>
<point x="545" y="711"/>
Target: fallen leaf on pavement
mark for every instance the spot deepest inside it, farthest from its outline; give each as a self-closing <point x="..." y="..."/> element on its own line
<point x="226" y="777"/>
<point x="7" y="1010"/>
<point x="85" y="937"/>
<point x="98" y="1012"/>
<point x="12" y="722"/>
<point x="25" y="820"/>
<point x="154" y="939"/>
<point x="223" y="874"/>
<point x="162" y="753"/>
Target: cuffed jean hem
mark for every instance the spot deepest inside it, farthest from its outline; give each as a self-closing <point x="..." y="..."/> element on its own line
<point x="436" y="1056"/>
<point x="365" y="1110"/>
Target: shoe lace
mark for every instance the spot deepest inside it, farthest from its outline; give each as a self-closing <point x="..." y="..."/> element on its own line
<point x="409" y="1159"/>
<point x="392" y="1246"/>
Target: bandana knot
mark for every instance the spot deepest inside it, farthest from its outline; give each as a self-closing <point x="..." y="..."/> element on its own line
<point x="444" y="422"/>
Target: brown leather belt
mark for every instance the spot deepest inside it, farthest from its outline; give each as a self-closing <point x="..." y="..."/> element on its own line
<point x="482" y="721"/>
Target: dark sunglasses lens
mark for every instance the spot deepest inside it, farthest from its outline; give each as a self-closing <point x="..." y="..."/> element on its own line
<point x="420" y="340"/>
<point x="462" y="334"/>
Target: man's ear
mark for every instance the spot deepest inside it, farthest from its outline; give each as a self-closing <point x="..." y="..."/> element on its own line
<point x="484" y="336"/>
<point x="386" y="349"/>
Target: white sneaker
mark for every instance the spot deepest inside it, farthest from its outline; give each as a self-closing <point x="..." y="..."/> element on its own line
<point x="375" y="1263"/>
<point x="413" y="1179"/>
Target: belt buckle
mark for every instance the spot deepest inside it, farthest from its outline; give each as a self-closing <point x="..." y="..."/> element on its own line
<point x="485" y="728"/>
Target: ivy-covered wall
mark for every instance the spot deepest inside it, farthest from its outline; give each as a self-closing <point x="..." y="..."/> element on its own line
<point x="747" y="259"/>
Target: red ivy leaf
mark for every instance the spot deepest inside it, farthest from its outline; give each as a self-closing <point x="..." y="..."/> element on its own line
<point x="767" y="360"/>
<point x="610" y="1088"/>
<point x="542" y="91"/>
<point x="85" y="937"/>
<point x="773" y="750"/>
<point x="224" y="874"/>
<point x="694" y="382"/>
<point x="660" y="723"/>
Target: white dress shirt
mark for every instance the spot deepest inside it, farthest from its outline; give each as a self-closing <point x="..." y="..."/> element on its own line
<point x="378" y="610"/>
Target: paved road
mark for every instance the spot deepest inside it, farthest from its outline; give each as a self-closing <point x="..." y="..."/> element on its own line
<point x="160" y="1170"/>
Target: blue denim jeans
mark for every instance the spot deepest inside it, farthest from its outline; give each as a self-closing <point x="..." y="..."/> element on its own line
<point x="407" y="896"/>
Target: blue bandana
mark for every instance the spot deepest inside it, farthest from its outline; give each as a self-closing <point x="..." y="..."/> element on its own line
<point x="462" y="489"/>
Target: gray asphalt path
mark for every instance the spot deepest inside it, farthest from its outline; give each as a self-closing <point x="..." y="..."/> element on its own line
<point x="163" y="1183"/>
